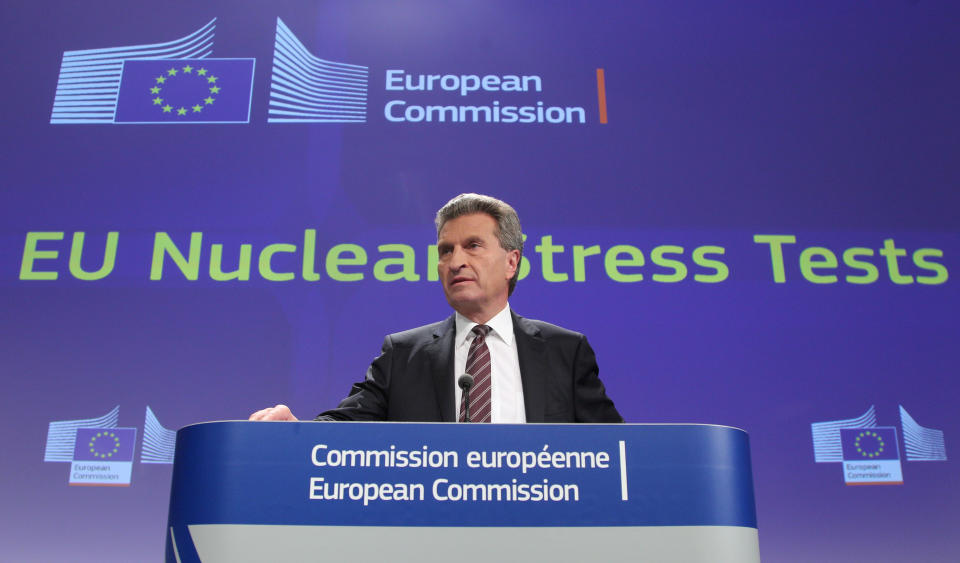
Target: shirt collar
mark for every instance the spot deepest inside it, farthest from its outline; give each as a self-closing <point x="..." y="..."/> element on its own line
<point x="501" y="323"/>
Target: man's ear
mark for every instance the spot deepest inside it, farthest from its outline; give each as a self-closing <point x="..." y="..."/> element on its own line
<point x="513" y="262"/>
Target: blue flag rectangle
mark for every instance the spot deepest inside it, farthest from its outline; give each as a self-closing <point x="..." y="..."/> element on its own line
<point x="185" y="91"/>
<point x="869" y="444"/>
<point x="105" y="444"/>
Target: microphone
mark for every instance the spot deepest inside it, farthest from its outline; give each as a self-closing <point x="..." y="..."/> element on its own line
<point x="465" y="382"/>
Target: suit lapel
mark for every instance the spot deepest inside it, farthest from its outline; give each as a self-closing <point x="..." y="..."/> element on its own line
<point x="531" y="352"/>
<point x="440" y="351"/>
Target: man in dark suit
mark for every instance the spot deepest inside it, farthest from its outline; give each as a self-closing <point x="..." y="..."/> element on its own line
<point x="527" y="371"/>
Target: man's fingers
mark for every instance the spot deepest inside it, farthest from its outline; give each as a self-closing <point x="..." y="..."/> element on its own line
<point x="279" y="412"/>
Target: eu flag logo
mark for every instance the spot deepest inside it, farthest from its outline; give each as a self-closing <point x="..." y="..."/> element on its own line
<point x="864" y="444"/>
<point x="105" y="444"/>
<point x="185" y="91"/>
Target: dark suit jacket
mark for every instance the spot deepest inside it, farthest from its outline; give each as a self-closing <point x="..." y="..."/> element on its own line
<point x="413" y="379"/>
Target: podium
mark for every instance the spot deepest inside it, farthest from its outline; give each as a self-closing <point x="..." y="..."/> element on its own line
<point x="374" y="491"/>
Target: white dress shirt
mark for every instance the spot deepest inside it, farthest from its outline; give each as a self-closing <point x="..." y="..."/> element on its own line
<point x="506" y="387"/>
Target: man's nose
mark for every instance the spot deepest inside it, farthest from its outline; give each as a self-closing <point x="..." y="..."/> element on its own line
<point x="457" y="258"/>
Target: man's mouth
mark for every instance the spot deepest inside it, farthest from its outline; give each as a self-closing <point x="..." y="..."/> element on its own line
<point x="459" y="279"/>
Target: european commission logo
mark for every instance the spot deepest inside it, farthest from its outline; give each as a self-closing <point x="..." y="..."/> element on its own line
<point x="179" y="82"/>
<point x="103" y="456"/>
<point x="100" y="453"/>
<point x="162" y="83"/>
<point x="870" y="454"/>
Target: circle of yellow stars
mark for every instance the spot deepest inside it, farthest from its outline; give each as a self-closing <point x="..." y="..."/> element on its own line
<point x="107" y="436"/>
<point x="879" y="448"/>
<point x="181" y="111"/>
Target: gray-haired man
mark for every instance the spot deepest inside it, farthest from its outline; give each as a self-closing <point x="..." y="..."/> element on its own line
<point x="526" y="370"/>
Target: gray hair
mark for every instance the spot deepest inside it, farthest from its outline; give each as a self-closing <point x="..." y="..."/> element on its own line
<point x="508" y="223"/>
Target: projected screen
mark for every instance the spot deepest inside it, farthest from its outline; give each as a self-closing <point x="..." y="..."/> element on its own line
<point x="750" y="211"/>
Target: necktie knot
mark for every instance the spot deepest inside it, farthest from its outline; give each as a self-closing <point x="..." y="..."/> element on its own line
<point x="481" y="330"/>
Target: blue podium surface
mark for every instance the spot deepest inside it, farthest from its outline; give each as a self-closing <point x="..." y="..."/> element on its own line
<point x="363" y="491"/>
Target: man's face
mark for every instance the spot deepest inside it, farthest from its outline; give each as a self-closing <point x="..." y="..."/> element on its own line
<point x="474" y="269"/>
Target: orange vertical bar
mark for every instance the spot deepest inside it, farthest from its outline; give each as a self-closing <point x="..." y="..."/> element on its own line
<point x="602" y="95"/>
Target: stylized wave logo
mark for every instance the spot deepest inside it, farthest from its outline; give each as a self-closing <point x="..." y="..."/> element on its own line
<point x="158" y="442"/>
<point x="921" y="444"/>
<point x="307" y="89"/>
<point x="827" y="443"/>
<point x="89" y="82"/>
<point x="62" y="434"/>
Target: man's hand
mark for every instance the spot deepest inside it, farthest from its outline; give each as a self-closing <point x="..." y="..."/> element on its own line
<point x="279" y="412"/>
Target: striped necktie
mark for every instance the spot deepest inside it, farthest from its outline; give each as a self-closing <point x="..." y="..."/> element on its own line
<point x="478" y="365"/>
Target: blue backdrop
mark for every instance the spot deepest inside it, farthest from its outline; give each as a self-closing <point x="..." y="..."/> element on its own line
<point x="749" y="208"/>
